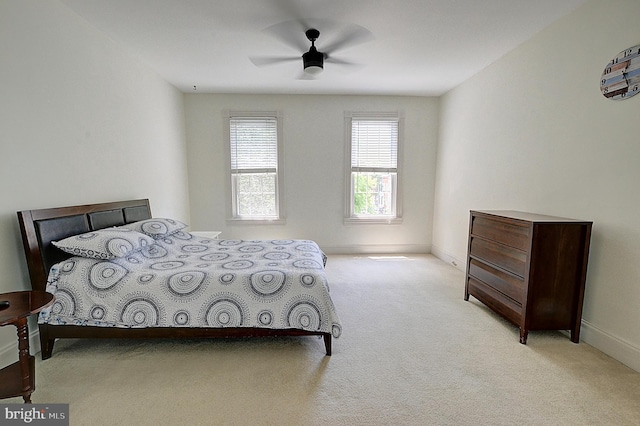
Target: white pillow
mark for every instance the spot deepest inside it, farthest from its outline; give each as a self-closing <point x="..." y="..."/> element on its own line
<point x="156" y="227"/>
<point x="108" y="243"/>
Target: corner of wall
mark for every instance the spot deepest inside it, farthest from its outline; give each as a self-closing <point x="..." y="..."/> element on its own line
<point x="452" y="260"/>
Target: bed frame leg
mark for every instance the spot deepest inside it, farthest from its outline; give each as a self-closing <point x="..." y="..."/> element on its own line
<point x="327" y="343"/>
<point x="46" y="344"/>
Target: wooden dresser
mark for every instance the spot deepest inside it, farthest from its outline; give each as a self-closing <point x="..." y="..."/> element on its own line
<point x="529" y="268"/>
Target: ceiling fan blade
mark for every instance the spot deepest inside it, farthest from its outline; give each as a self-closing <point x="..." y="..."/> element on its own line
<point x="351" y="35"/>
<point x="339" y="61"/>
<point x="346" y="67"/>
<point x="292" y="9"/>
<point x="290" y="33"/>
<point x="261" y="61"/>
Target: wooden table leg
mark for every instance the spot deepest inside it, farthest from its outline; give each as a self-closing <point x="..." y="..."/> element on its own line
<point x="23" y="354"/>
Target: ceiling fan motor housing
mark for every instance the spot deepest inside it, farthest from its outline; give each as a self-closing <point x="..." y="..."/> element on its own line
<point x="313" y="58"/>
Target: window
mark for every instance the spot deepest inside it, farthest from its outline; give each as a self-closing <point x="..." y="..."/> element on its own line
<point x="255" y="151"/>
<point x="373" y="145"/>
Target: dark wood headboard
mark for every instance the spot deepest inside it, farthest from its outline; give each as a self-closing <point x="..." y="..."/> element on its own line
<point x="40" y="227"/>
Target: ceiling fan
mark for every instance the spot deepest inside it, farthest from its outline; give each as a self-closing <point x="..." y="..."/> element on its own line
<point x="313" y="60"/>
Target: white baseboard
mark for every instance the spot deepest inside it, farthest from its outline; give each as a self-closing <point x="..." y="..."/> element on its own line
<point x="460" y="264"/>
<point x="377" y="249"/>
<point x="611" y="345"/>
<point x="9" y="352"/>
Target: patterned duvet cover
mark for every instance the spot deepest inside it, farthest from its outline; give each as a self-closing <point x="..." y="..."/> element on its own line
<point x="183" y="280"/>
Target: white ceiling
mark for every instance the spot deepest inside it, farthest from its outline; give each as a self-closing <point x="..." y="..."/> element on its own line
<point x="419" y="47"/>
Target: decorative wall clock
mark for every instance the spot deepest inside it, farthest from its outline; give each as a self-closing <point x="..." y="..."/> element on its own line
<point x="621" y="77"/>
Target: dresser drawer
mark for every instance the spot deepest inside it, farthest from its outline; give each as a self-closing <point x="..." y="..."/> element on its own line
<point x="512" y="260"/>
<point x="495" y="300"/>
<point x="501" y="281"/>
<point x="510" y="234"/>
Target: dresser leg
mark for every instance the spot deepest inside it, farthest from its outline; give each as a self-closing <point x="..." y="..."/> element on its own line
<point x="523" y="336"/>
<point x="23" y="356"/>
<point x="575" y="335"/>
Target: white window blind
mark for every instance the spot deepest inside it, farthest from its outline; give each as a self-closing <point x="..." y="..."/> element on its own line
<point x="254" y="145"/>
<point x="374" y="145"/>
<point x="374" y="141"/>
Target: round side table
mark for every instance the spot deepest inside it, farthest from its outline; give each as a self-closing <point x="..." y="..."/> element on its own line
<point x="18" y="379"/>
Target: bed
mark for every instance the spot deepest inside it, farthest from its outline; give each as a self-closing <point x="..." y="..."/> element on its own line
<point x="117" y="272"/>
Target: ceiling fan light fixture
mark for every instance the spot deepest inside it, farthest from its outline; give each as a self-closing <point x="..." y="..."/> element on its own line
<point x="313" y="69"/>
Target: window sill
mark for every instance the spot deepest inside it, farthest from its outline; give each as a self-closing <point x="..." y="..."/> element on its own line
<point x="213" y="235"/>
<point x="372" y="220"/>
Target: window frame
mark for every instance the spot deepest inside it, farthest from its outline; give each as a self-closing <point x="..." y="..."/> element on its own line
<point x="349" y="216"/>
<point x="232" y="216"/>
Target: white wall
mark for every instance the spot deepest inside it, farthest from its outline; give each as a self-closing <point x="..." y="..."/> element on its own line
<point x="314" y="148"/>
<point x="532" y="132"/>
<point x="81" y="121"/>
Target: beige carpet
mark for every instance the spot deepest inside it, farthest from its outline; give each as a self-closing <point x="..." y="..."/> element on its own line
<point x="412" y="352"/>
